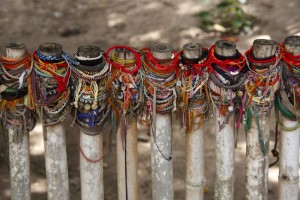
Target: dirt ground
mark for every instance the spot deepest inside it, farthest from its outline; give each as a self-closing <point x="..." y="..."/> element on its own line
<point x="137" y="23"/>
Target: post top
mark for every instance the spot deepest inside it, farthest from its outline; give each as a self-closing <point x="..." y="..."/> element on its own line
<point x="292" y="44"/>
<point x="263" y="48"/>
<point x="225" y="48"/>
<point x="192" y="50"/>
<point x="263" y="42"/>
<point x="15" y="50"/>
<point x="124" y="53"/>
<point x="89" y="51"/>
<point x="51" y="49"/>
<point x="15" y="45"/>
<point x="161" y="51"/>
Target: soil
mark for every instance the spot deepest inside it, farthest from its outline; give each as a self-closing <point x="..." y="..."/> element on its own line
<point x="136" y="23"/>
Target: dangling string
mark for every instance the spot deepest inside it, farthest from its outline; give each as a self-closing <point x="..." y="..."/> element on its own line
<point x="226" y="84"/>
<point x="192" y="99"/>
<point x="159" y="84"/>
<point x="126" y="81"/>
<point x="125" y="84"/>
<point x="262" y="83"/>
<point x="16" y="101"/>
<point x="78" y="92"/>
<point x="94" y="89"/>
<point x="290" y="92"/>
<point x="90" y="78"/>
<point x="50" y="79"/>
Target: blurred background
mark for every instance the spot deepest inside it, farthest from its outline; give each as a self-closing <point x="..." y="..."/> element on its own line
<point x="138" y="23"/>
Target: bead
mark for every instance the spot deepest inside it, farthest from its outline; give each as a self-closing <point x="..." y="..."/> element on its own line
<point x="234" y="73"/>
<point x="240" y="93"/>
<point x="131" y="85"/>
<point x="230" y="108"/>
<point x="244" y="117"/>
<point x="94" y="106"/>
<point x="259" y="93"/>
<point x="120" y="95"/>
<point x="219" y="119"/>
<point x="87" y="106"/>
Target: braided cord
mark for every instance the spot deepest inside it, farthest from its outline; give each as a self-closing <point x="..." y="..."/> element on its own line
<point x="16" y="100"/>
<point x="192" y="99"/>
<point x="50" y="79"/>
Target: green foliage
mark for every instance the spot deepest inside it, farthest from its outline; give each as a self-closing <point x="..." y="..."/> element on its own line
<point x="228" y="18"/>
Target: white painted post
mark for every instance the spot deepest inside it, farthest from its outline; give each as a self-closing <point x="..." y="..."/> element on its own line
<point x="19" y="163"/>
<point x="289" y="162"/>
<point x="257" y="166"/>
<point x="91" y="173"/>
<point x="132" y="161"/>
<point x="194" y="144"/>
<point x="91" y="144"/>
<point x="19" y="160"/>
<point x="127" y="165"/>
<point x="56" y="162"/>
<point x="161" y="145"/>
<point x="162" y="169"/>
<point x="289" y="147"/>
<point x="225" y="155"/>
<point x="55" y="146"/>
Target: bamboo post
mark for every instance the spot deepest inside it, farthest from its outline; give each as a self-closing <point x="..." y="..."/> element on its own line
<point x="257" y="166"/>
<point x="225" y="155"/>
<point x="127" y="165"/>
<point x="55" y="146"/>
<point x="194" y="143"/>
<point x="161" y="158"/>
<point x="91" y="173"/>
<point x="19" y="160"/>
<point x="289" y="146"/>
<point x="91" y="143"/>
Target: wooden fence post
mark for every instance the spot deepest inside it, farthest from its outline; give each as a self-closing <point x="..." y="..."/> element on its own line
<point x="258" y="135"/>
<point x="55" y="144"/>
<point x="225" y="155"/>
<point x="194" y="142"/>
<point x="161" y="141"/>
<point x="91" y="137"/>
<point x="290" y="132"/>
<point x="19" y="157"/>
<point x="127" y="157"/>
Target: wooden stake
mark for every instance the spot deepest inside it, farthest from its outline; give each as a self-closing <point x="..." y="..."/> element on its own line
<point x="19" y="159"/>
<point x="161" y="145"/>
<point x="289" y="146"/>
<point x="55" y="146"/>
<point x="127" y="157"/>
<point x="194" y="143"/>
<point x="257" y="164"/>
<point x="224" y="185"/>
<point x="91" y="143"/>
